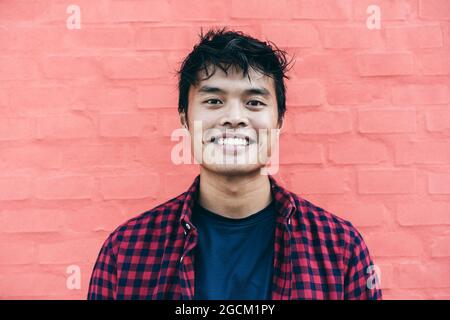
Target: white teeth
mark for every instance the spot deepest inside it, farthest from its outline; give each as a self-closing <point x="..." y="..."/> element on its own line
<point x="232" y="141"/>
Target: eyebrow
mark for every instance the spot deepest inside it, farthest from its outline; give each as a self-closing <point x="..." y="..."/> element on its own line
<point x="251" y="91"/>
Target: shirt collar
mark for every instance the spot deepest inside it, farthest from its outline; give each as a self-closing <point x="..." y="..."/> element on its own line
<point x="283" y="201"/>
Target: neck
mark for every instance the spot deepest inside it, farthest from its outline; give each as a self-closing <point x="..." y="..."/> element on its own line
<point x="236" y="196"/>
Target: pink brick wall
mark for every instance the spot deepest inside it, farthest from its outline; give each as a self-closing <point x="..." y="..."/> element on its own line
<point x="86" y="118"/>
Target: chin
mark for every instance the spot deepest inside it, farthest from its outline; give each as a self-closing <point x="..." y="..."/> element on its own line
<point x="232" y="169"/>
<point x="246" y="162"/>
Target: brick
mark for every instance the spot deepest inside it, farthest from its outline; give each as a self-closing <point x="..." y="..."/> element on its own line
<point x="440" y="247"/>
<point x="23" y="10"/>
<point x="67" y="126"/>
<point x="356" y="151"/>
<point x="289" y="120"/>
<point x="439" y="183"/>
<point x="138" y="10"/>
<point x="446" y="33"/>
<point x="438" y="121"/>
<point x="360" y="214"/>
<point x="198" y="10"/>
<point x="386" y="120"/>
<point x="94" y="217"/>
<point x="25" y="38"/>
<point x="306" y="93"/>
<point x="4" y="99"/>
<point x="102" y="99"/>
<point x="90" y="13"/>
<point x="157" y="96"/>
<point x="127" y="124"/>
<point x="130" y="186"/>
<point x="100" y="37"/>
<point x="434" y="63"/>
<point x="394" y="244"/>
<point x="178" y="182"/>
<point x="323" y="122"/>
<point x="150" y="66"/>
<point x="69" y="251"/>
<point x="15" y="188"/>
<point x="144" y="152"/>
<point x="156" y="38"/>
<point x="342" y="37"/>
<point x="65" y="187"/>
<point x="30" y="156"/>
<point x="168" y="121"/>
<point x="326" y="66"/>
<point x="320" y="181"/>
<point x="308" y="152"/>
<point x="418" y="94"/>
<point x="260" y="9"/>
<point x="355" y="93"/>
<point x="386" y="181"/>
<point x="18" y="68"/>
<point x="305" y="36"/>
<point x="387" y="276"/>
<point x="322" y="10"/>
<point x="96" y="155"/>
<point x="422" y="152"/>
<point x="247" y="26"/>
<point x="440" y="294"/>
<point x="17" y="128"/>
<point x="434" y="9"/>
<point x="70" y="67"/>
<point x="385" y="64"/>
<point x="399" y="294"/>
<point x="15" y="253"/>
<point x="414" y="37"/>
<point x="427" y="275"/>
<point x="390" y="9"/>
<point x="36" y="101"/>
<point x="31" y="220"/>
<point x="33" y="283"/>
<point x="417" y="213"/>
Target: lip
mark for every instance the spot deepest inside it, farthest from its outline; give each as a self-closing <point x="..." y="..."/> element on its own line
<point x="225" y="135"/>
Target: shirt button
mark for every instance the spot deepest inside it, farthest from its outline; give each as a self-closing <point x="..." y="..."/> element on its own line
<point x="188" y="226"/>
<point x="289" y="220"/>
<point x="181" y="260"/>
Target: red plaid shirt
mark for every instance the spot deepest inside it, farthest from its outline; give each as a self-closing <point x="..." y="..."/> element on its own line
<point x="317" y="254"/>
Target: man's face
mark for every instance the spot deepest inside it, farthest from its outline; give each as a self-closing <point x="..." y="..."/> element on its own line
<point x="230" y="106"/>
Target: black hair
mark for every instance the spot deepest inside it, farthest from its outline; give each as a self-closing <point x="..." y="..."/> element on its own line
<point x="223" y="48"/>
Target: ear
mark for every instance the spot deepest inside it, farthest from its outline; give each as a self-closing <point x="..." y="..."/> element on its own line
<point x="281" y="124"/>
<point x="183" y="120"/>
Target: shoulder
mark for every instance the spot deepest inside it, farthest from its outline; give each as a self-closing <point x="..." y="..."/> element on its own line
<point x="334" y="239"/>
<point x="324" y="225"/>
<point x="146" y="225"/>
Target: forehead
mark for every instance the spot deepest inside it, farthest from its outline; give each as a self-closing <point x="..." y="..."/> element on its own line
<point x="234" y="81"/>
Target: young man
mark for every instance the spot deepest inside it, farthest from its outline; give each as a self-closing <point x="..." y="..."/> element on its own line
<point x="235" y="233"/>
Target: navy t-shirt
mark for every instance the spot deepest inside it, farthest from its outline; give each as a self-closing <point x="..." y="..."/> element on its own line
<point x="234" y="257"/>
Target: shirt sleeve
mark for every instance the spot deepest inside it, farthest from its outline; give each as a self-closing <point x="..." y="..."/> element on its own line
<point x="102" y="285"/>
<point x="362" y="281"/>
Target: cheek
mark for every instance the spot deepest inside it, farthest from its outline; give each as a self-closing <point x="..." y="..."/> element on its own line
<point x="264" y="121"/>
<point x="196" y="113"/>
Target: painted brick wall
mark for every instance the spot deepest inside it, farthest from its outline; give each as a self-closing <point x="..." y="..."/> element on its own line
<point x="86" y="118"/>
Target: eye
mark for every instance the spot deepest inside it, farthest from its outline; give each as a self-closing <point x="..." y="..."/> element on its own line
<point x="208" y="101"/>
<point x="257" y="101"/>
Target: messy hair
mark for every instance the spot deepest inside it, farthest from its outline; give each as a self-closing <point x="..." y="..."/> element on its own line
<point x="223" y="48"/>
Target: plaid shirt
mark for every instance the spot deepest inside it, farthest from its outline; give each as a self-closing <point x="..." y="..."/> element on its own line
<point x="317" y="254"/>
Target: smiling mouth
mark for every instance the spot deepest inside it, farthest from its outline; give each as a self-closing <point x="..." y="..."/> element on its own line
<point x="229" y="141"/>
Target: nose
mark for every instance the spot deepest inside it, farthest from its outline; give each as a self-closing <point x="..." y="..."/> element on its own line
<point x="235" y="116"/>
